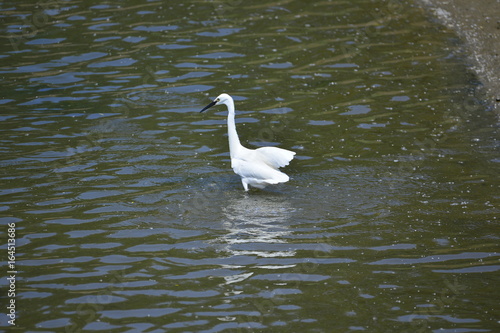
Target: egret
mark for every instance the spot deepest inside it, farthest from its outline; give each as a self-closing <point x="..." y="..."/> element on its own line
<point x="256" y="167"/>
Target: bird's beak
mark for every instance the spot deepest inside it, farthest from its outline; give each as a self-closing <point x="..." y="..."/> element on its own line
<point x="208" y="106"/>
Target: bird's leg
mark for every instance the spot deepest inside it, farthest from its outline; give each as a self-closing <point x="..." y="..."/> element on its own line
<point x="245" y="185"/>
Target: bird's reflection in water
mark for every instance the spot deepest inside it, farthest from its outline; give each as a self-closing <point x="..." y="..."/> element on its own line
<point x="257" y="225"/>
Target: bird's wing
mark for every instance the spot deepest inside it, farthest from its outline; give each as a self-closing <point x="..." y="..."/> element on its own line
<point x="257" y="170"/>
<point x="274" y="156"/>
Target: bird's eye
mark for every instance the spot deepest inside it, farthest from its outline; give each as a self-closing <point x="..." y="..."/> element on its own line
<point x="217" y="100"/>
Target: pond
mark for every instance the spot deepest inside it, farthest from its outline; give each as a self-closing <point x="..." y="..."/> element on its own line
<point x="120" y="210"/>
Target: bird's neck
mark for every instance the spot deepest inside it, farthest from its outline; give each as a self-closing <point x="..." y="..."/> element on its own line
<point x="234" y="141"/>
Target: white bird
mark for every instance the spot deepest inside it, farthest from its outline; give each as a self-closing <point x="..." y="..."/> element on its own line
<point x="256" y="167"/>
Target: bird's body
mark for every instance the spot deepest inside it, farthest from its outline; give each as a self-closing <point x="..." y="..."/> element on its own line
<point x="256" y="167"/>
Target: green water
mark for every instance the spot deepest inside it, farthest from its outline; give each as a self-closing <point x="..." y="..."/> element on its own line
<point x="128" y="218"/>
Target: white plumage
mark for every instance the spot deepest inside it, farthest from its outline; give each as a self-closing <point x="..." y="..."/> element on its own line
<point x="256" y="167"/>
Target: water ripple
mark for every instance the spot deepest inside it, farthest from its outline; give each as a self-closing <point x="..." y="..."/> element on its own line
<point x="128" y="215"/>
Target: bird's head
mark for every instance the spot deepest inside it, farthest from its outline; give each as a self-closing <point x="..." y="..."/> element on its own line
<point x="221" y="99"/>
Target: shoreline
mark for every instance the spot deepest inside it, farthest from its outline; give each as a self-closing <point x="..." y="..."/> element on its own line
<point x="477" y="23"/>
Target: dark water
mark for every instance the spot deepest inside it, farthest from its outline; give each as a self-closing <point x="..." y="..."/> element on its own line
<point x="127" y="215"/>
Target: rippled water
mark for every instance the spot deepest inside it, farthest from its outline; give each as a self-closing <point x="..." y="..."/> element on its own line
<point x="127" y="214"/>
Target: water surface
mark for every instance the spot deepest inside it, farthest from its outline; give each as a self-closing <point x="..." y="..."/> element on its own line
<point x="128" y="216"/>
